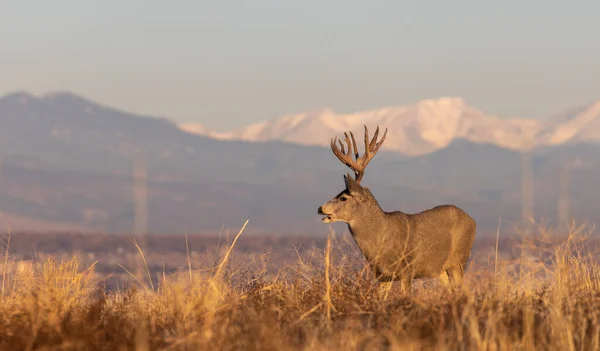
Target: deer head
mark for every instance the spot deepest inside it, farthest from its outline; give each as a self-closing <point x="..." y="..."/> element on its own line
<point x="355" y="199"/>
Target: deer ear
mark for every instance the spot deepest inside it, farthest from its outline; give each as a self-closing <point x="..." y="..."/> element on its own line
<point x="351" y="184"/>
<point x="346" y="177"/>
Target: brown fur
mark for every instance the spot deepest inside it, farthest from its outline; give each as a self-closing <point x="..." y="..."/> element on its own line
<point x="399" y="246"/>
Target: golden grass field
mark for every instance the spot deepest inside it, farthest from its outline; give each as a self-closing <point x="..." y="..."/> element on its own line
<point x="543" y="294"/>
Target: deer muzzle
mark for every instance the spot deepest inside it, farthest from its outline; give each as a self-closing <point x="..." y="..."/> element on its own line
<point x="327" y="217"/>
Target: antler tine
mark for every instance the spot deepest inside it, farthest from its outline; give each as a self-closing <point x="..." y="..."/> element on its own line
<point x="374" y="140"/>
<point x="335" y="149"/>
<point x="354" y="145"/>
<point x="341" y="146"/>
<point x="366" y="143"/>
<point x="347" y="140"/>
<point x="378" y="145"/>
<point x="339" y="152"/>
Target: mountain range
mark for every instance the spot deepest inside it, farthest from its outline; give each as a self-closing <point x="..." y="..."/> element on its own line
<point x="67" y="164"/>
<point x="425" y="126"/>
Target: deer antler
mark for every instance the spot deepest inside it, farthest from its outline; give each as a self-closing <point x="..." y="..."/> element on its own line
<point x="359" y="164"/>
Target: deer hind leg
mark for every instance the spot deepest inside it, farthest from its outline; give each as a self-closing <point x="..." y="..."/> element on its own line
<point x="445" y="278"/>
<point x="406" y="285"/>
<point x="455" y="275"/>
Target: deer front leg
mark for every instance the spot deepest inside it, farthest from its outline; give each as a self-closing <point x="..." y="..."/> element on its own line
<point x="384" y="289"/>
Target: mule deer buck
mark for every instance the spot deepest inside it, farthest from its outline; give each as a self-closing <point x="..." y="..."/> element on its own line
<point x="398" y="246"/>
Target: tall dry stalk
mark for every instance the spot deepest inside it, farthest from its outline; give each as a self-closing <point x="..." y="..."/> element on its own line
<point x="327" y="296"/>
<point x="5" y="267"/>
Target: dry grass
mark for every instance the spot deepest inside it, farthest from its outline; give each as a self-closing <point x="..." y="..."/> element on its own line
<point x="545" y="296"/>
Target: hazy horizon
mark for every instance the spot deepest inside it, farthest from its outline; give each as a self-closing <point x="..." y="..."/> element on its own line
<point x="226" y="66"/>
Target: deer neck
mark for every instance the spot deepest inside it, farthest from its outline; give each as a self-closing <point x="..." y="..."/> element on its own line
<point x="366" y="229"/>
<point x="368" y="223"/>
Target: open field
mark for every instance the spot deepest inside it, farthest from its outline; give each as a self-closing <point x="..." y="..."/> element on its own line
<point x="540" y="291"/>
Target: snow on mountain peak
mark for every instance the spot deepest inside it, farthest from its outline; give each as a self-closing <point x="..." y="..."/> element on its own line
<point x="582" y="126"/>
<point x="422" y="127"/>
<point x="195" y="128"/>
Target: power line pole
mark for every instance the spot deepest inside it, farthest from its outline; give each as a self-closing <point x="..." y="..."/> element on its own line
<point x="564" y="198"/>
<point x="140" y="195"/>
<point x="527" y="189"/>
<point x="140" y="206"/>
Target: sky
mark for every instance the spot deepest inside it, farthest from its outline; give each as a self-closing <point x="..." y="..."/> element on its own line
<point x="227" y="64"/>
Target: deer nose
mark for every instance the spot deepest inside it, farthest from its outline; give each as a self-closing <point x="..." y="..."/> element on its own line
<point x="320" y="210"/>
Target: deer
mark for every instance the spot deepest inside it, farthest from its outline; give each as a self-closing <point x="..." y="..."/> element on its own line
<point x="398" y="246"/>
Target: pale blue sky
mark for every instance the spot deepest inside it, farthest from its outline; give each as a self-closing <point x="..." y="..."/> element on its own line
<point x="230" y="63"/>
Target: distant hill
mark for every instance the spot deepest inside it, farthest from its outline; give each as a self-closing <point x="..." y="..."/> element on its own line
<point x="67" y="162"/>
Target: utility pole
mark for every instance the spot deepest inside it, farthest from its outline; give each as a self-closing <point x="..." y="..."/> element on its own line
<point x="140" y="195"/>
<point x="140" y="206"/>
<point x="564" y="198"/>
<point x="527" y="188"/>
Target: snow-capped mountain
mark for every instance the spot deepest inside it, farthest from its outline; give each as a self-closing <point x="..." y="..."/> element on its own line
<point x="579" y="125"/>
<point x="195" y="128"/>
<point x="425" y="126"/>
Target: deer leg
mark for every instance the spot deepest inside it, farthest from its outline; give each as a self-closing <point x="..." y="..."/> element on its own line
<point x="384" y="289"/>
<point x="406" y="285"/>
<point x="444" y="278"/>
<point x="455" y="274"/>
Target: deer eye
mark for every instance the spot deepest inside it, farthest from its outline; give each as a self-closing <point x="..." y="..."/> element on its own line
<point x="343" y="198"/>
